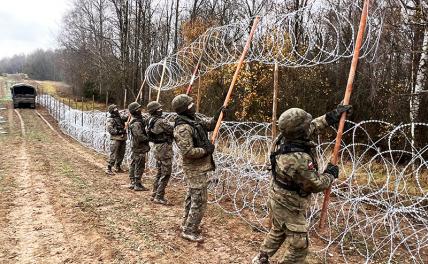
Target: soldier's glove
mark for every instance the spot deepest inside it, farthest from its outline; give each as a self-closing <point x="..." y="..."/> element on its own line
<point x="209" y="149"/>
<point x="332" y="169"/>
<point x="333" y="117"/>
<point x="223" y="109"/>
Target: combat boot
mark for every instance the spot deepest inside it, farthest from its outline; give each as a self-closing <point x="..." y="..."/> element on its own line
<point x="261" y="258"/>
<point x="131" y="184"/>
<point x="198" y="230"/>
<point x="118" y="169"/>
<point x="162" y="201"/>
<point x="192" y="237"/>
<point x="139" y="187"/>
<point x="108" y="170"/>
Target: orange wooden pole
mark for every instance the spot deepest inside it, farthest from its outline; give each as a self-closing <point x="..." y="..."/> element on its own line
<point x="346" y="100"/>
<point x="136" y="99"/>
<point x="140" y="92"/>
<point x="161" y="81"/>
<point x="275" y="100"/>
<point x="235" y="76"/>
<point x="192" y="80"/>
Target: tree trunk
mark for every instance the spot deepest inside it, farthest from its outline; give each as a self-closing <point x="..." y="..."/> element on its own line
<point x="421" y="79"/>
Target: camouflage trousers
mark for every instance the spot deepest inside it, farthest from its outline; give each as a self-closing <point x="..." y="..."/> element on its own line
<point x="164" y="167"/>
<point x="195" y="206"/>
<point x="299" y="243"/>
<point x="117" y="152"/>
<point x="137" y="166"/>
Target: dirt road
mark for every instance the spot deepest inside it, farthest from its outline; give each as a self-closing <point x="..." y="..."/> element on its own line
<point x="58" y="206"/>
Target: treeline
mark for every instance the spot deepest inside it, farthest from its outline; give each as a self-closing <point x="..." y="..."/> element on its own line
<point x="106" y="46"/>
<point x="110" y="43"/>
<point x="39" y="65"/>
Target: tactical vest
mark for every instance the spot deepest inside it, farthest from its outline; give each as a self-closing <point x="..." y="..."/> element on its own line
<point x="136" y="120"/>
<point x="287" y="183"/>
<point x="199" y="136"/>
<point x="118" y="124"/>
<point x="157" y="138"/>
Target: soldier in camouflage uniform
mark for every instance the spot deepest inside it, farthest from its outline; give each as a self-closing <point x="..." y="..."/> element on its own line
<point x="191" y="136"/>
<point x="295" y="178"/>
<point x="116" y="129"/>
<point x="161" y="134"/>
<point x="139" y="147"/>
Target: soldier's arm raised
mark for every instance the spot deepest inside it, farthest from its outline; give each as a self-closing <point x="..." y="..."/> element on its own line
<point x="317" y="125"/>
<point x="183" y="138"/>
<point x="209" y="123"/>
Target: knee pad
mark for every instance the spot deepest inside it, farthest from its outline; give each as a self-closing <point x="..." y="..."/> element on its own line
<point x="299" y="241"/>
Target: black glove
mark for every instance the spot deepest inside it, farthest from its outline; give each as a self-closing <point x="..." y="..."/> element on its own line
<point x="223" y="109"/>
<point x="332" y="169"/>
<point x="209" y="149"/>
<point x="333" y="117"/>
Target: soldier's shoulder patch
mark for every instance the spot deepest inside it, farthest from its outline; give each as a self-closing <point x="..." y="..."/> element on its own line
<point x="311" y="165"/>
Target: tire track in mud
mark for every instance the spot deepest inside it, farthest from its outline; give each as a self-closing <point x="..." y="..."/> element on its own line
<point x="70" y="177"/>
<point x="39" y="233"/>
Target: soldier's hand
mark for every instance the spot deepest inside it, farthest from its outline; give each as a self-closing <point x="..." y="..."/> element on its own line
<point x="209" y="149"/>
<point x="223" y="109"/>
<point x="344" y="108"/>
<point x="333" y="117"/>
<point x="332" y="170"/>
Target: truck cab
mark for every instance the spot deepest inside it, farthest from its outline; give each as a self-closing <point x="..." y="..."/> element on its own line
<point x="23" y="95"/>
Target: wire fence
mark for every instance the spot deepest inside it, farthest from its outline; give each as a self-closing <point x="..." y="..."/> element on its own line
<point x="379" y="205"/>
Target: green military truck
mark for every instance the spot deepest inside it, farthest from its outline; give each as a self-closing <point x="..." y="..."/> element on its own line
<point x="23" y="95"/>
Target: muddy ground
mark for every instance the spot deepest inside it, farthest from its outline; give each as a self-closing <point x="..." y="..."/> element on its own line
<point x="58" y="206"/>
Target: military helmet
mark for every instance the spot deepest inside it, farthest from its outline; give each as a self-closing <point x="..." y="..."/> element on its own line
<point x="153" y="107"/>
<point x="181" y="102"/>
<point x="295" y="123"/>
<point x="111" y="108"/>
<point x="134" y="107"/>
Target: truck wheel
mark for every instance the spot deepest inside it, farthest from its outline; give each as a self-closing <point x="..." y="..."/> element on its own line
<point x="32" y="106"/>
<point x="15" y="105"/>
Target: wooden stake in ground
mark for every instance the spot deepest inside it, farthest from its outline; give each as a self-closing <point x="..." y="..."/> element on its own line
<point x="235" y="76"/>
<point x="82" y="111"/>
<point x="274" y="115"/>
<point x="124" y="99"/>
<point x="346" y="100"/>
<point x="275" y="100"/>
<point x="107" y="101"/>
<point x="198" y="98"/>
<point x="161" y="80"/>
<point x="150" y="94"/>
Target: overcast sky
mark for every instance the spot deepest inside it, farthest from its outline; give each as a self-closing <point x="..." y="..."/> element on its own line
<point x="26" y="25"/>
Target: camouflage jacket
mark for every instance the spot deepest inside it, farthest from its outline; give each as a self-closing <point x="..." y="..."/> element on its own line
<point x="116" y="127"/>
<point x="163" y="131"/>
<point x="139" y="138"/>
<point x="194" y="157"/>
<point x="300" y="168"/>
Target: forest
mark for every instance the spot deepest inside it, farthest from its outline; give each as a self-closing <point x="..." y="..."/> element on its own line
<point x="107" y="45"/>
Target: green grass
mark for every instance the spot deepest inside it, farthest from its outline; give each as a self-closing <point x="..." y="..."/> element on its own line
<point x="37" y="136"/>
<point x="68" y="172"/>
<point x="52" y="89"/>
